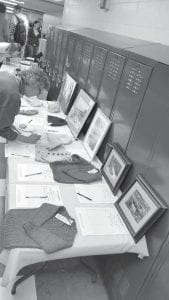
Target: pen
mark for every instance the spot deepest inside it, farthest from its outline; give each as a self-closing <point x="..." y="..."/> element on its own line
<point x="84" y="196"/>
<point x="41" y="197"/>
<point x="52" y="130"/>
<point x="30" y="121"/>
<point x="33" y="174"/>
<point x="20" y="155"/>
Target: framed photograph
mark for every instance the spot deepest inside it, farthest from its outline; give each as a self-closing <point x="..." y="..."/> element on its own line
<point x="79" y="112"/>
<point x="115" y="167"/>
<point x="140" y="207"/>
<point x="67" y="93"/>
<point x="96" y="133"/>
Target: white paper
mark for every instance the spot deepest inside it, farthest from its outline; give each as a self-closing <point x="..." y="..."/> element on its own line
<point x="98" y="192"/>
<point x="35" y="195"/>
<point x="100" y="221"/>
<point x="33" y="171"/>
<point x="16" y="149"/>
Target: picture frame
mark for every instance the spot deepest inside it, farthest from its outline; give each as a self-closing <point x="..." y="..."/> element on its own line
<point x="79" y="112"/>
<point x="140" y="207"/>
<point x="115" y="167"/>
<point x="67" y="93"/>
<point x="96" y="133"/>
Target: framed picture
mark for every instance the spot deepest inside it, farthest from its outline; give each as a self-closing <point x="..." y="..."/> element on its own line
<point x="96" y="133"/>
<point x="66" y="95"/>
<point x="140" y="207"/>
<point x="79" y="112"/>
<point x="115" y="167"/>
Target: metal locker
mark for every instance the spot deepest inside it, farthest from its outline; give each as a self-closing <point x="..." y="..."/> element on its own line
<point x="76" y="58"/>
<point x="96" y="70"/>
<point x="58" y="50"/>
<point x="84" y="63"/>
<point x="129" y="97"/>
<point x="110" y="81"/>
<point x="69" y="53"/>
<point x="149" y="122"/>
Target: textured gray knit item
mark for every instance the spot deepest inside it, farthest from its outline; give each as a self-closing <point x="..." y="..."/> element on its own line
<point x="76" y="171"/>
<point x="38" y="228"/>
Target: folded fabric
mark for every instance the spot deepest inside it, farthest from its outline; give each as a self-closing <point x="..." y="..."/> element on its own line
<point x="56" y="121"/>
<point x="78" y="170"/>
<point x="43" y="228"/>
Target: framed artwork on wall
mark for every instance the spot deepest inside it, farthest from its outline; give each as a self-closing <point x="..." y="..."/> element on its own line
<point x="140" y="207"/>
<point x="115" y="167"/>
<point x="79" y="112"/>
<point x="96" y="133"/>
<point x="66" y="95"/>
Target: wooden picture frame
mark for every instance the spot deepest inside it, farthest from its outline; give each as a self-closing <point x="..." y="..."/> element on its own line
<point x="67" y="93"/>
<point x="115" y="167"/>
<point x="96" y="133"/>
<point x="79" y="112"/>
<point x="140" y="207"/>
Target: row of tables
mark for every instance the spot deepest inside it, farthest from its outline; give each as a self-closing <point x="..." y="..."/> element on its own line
<point x="84" y="245"/>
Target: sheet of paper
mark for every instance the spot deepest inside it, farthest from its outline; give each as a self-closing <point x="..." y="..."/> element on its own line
<point x="35" y="173"/>
<point x="18" y="149"/>
<point x="100" y="221"/>
<point x="35" y="195"/>
<point x="98" y="192"/>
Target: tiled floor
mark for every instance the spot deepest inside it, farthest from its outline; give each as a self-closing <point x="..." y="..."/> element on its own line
<point x="69" y="280"/>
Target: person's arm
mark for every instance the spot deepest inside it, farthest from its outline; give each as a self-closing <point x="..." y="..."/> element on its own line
<point x="32" y="139"/>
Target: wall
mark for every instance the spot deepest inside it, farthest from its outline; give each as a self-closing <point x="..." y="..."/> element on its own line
<point x="52" y="20"/>
<point x="143" y="19"/>
<point x="45" y="7"/>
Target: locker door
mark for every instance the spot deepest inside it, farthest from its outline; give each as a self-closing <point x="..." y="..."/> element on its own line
<point x="76" y="58"/>
<point x="129" y="97"/>
<point x="58" y="51"/>
<point x="110" y="81"/>
<point x="85" y="63"/>
<point x="69" y="54"/>
<point x="96" y="70"/>
<point x="149" y="122"/>
<point x="61" y="61"/>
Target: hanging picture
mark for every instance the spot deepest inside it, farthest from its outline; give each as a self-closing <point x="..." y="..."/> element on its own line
<point x="96" y="133"/>
<point x="115" y="167"/>
<point x="66" y="95"/>
<point x="79" y="112"/>
<point x="140" y="207"/>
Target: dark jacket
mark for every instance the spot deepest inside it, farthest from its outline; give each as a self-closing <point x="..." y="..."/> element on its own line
<point x="32" y="39"/>
<point x="9" y="104"/>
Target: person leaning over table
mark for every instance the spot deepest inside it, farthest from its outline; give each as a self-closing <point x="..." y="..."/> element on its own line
<point x="30" y="84"/>
<point x="8" y="50"/>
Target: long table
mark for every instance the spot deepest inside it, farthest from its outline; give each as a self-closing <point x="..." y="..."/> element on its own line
<point x="17" y="258"/>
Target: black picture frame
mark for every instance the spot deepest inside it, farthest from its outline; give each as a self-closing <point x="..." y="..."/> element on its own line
<point x="67" y="93"/>
<point x="140" y="207"/>
<point x="96" y="133"/>
<point x="115" y="167"/>
<point x="79" y="112"/>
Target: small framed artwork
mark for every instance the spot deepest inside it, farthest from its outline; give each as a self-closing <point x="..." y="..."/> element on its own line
<point x="140" y="207"/>
<point x="66" y="94"/>
<point x="115" y="167"/>
<point x="79" y="112"/>
<point x="96" y="133"/>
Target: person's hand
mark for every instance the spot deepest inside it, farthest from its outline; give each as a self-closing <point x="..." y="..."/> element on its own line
<point x="32" y="139"/>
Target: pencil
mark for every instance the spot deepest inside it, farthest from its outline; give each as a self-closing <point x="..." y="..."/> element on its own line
<point x="84" y="196"/>
<point x="20" y="155"/>
<point x="41" y="197"/>
<point x="33" y="174"/>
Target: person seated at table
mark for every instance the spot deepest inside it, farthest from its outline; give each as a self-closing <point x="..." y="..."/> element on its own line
<point x="31" y="84"/>
<point x="8" y="50"/>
